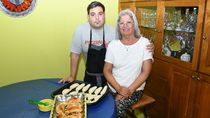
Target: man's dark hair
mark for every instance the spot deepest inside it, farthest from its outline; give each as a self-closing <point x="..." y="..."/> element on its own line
<point x="95" y="4"/>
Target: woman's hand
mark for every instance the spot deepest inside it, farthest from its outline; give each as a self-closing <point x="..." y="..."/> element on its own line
<point x="124" y="91"/>
<point x="119" y="97"/>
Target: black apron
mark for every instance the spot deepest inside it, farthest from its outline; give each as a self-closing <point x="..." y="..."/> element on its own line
<point x="95" y="63"/>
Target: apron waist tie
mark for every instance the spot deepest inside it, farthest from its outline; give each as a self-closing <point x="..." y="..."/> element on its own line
<point x="98" y="77"/>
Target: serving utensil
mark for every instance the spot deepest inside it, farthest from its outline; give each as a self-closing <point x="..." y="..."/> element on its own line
<point x="36" y="102"/>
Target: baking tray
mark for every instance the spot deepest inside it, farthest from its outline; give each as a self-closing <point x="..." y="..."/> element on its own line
<point x="93" y="94"/>
<point x="69" y="106"/>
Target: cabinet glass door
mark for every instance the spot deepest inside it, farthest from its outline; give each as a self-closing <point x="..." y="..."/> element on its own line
<point x="179" y="32"/>
<point x="147" y="21"/>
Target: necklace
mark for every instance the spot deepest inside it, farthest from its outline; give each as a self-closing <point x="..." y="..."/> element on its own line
<point x="126" y="47"/>
<point x="128" y="42"/>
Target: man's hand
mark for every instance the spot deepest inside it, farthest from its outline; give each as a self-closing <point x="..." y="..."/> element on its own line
<point x="67" y="79"/>
<point x="151" y="47"/>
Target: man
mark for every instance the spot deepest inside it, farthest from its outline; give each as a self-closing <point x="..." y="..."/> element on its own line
<point x="91" y="40"/>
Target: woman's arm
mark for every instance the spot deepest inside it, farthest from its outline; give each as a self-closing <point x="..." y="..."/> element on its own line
<point x="109" y="77"/>
<point x="123" y="91"/>
<point x="145" y="71"/>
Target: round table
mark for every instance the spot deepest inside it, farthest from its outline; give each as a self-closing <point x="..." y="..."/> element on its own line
<point x="14" y="100"/>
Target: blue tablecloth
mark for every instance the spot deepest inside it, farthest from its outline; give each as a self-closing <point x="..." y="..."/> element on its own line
<point x="14" y="100"/>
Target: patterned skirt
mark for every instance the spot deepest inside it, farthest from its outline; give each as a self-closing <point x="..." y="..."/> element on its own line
<point x="123" y="105"/>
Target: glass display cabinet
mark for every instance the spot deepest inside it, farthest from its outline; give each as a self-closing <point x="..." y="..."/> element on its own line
<point x="179" y="32"/>
<point x="147" y="21"/>
<point x="174" y="27"/>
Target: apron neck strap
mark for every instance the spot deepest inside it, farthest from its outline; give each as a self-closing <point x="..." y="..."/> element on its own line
<point x="91" y="38"/>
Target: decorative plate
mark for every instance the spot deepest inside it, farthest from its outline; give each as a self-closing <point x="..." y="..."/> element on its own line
<point x="17" y="8"/>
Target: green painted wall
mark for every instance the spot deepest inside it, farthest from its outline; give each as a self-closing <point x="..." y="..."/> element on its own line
<point x="37" y="45"/>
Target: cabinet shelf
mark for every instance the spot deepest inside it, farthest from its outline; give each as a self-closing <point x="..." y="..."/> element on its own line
<point x="151" y="28"/>
<point x="179" y="31"/>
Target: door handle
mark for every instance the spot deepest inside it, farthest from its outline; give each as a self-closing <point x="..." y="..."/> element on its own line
<point x="196" y="76"/>
<point x="204" y="37"/>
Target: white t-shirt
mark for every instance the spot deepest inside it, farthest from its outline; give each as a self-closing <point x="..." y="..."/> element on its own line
<point x="81" y="38"/>
<point x="127" y="60"/>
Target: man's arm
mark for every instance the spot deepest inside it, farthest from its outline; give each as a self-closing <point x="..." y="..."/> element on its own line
<point x="74" y="61"/>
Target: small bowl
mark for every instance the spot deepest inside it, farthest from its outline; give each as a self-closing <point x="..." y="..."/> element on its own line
<point x="47" y="108"/>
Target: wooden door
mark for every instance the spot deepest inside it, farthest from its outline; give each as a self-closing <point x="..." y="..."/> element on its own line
<point x="205" y="51"/>
<point x="157" y="86"/>
<point x="180" y="81"/>
<point x="176" y="37"/>
<point x="199" y="104"/>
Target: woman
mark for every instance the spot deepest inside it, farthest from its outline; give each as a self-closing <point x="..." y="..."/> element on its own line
<point x="127" y="63"/>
